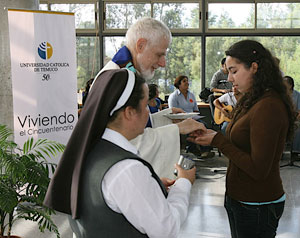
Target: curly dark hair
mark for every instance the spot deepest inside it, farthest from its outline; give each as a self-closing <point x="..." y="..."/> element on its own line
<point x="268" y="76"/>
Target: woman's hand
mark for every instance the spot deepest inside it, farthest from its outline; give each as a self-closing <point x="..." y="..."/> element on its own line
<point x="202" y="137"/>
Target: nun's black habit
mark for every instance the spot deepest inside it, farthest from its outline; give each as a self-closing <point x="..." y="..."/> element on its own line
<point x="63" y="190"/>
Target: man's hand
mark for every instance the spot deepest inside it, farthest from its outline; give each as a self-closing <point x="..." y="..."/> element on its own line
<point x="189" y="125"/>
<point x="225" y="112"/>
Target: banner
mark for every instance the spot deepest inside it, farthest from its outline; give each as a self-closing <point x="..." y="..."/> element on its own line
<point x="43" y="68"/>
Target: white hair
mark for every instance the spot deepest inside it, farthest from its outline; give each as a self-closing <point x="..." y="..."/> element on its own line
<point x="148" y="28"/>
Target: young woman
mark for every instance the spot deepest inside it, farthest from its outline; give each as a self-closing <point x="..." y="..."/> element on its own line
<point x="262" y="121"/>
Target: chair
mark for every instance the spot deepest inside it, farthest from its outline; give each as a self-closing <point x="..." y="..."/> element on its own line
<point x="211" y="99"/>
<point x="293" y="147"/>
<point x="293" y="154"/>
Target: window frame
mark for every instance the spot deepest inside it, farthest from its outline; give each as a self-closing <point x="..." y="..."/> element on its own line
<point x="254" y="30"/>
<point x="152" y="2"/>
<point x="202" y="32"/>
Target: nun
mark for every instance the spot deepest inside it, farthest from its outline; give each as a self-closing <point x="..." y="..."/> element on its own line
<point x="107" y="189"/>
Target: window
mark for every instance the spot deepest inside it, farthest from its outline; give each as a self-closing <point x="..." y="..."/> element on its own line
<point x="277" y="22"/>
<point x="84" y="13"/>
<point x="183" y="58"/>
<point x="111" y="47"/>
<point x="231" y="15"/>
<point x="121" y="16"/>
<point x="278" y="15"/>
<point x="178" y="15"/>
<point x="288" y="53"/>
<point x="88" y="55"/>
<point x="43" y="7"/>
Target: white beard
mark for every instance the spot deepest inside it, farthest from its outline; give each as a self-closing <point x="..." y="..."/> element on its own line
<point x="144" y="73"/>
<point x="147" y="74"/>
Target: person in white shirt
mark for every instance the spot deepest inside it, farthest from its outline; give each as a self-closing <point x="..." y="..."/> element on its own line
<point x="101" y="180"/>
<point x="222" y="103"/>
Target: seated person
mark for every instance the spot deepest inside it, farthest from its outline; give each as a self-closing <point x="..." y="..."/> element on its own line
<point x="219" y="84"/>
<point x="156" y="119"/>
<point x="184" y="99"/>
<point x="295" y="95"/>
<point x="154" y="103"/>
<point x="101" y="181"/>
<point x="228" y="99"/>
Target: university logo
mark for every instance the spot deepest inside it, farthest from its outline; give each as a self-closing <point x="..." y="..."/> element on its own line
<point x="45" y="50"/>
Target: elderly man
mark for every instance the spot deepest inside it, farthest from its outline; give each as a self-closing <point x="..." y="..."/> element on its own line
<point x="147" y="42"/>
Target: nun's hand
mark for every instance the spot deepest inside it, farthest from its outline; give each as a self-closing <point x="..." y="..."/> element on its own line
<point x="167" y="182"/>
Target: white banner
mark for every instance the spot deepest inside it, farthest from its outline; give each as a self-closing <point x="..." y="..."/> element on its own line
<point x="44" y="81"/>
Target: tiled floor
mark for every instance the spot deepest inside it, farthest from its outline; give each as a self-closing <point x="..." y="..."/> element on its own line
<point x="207" y="217"/>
